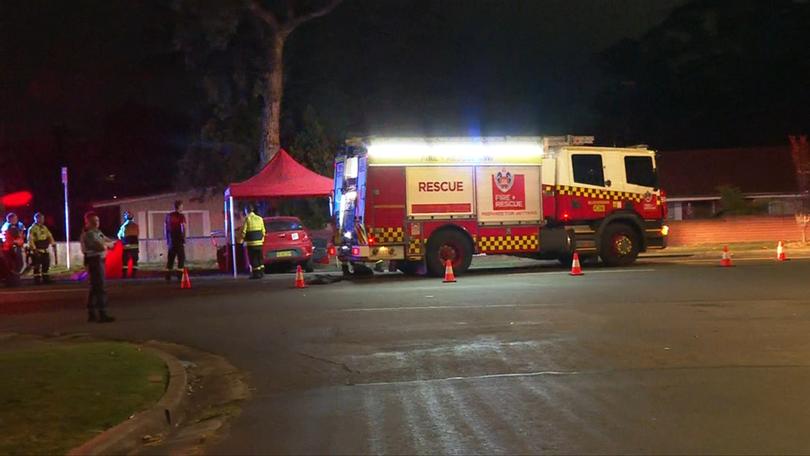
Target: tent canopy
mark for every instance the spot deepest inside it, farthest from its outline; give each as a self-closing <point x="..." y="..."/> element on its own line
<point x="282" y="177"/>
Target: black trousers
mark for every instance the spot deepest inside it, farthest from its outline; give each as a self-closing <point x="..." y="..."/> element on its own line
<point x="42" y="264"/>
<point x="176" y="251"/>
<point x="127" y="255"/>
<point x="255" y="255"/>
<point x="97" y="299"/>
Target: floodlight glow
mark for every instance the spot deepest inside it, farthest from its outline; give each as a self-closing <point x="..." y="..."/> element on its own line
<point x="455" y="151"/>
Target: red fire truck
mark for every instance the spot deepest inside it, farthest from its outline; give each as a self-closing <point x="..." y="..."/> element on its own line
<point x="417" y="202"/>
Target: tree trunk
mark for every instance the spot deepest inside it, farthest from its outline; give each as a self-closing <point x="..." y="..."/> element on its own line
<point x="271" y="118"/>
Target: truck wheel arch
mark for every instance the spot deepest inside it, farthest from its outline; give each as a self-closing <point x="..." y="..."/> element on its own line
<point x="442" y="232"/>
<point x="628" y="218"/>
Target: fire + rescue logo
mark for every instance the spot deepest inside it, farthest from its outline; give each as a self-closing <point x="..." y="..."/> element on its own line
<point x="504" y="180"/>
<point x="508" y="191"/>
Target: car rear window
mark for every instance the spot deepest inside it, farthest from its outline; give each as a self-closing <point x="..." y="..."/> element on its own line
<point x="282" y="225"/>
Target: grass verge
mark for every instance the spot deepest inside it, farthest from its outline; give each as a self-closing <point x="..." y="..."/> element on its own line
<point x="53" y="396"/>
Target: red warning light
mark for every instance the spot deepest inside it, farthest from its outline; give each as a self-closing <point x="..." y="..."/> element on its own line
<point x="16" y="199"/>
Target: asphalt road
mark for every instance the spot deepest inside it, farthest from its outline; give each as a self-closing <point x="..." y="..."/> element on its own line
<point x="662" y="357"/>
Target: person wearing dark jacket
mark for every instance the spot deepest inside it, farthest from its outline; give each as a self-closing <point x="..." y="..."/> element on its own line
<point x="94" y="247"/>
<point x="175" y="231"/>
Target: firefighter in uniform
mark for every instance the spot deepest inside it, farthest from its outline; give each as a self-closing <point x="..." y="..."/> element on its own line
<point x="39" y="241"/>
<point x="129" y="234"/>
<point x="253" y="232"/>
<point x="175" y="230"/>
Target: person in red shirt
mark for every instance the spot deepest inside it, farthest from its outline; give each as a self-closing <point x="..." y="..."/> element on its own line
<point x="175" y="231"/>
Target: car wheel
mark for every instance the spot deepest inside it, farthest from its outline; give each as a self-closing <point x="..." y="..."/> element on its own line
<point x="620" y="245"/>
<point x="308" y="265"/>
<point x="448" y="245"/>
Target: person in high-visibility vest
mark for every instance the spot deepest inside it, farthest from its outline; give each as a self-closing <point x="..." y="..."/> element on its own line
<point x="129" y="234"/>
<point x="39" y="240"/>
<point x="253" y="232"/>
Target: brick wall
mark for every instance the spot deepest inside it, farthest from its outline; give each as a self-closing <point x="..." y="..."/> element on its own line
<point x="733" y="229"/>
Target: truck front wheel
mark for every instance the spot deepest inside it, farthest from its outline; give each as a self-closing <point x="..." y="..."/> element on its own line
<point x="620" y="245"/>
<point x="448" y="245"/>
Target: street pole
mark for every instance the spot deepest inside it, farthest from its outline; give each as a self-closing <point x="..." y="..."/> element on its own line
<point x="233" y="236"/>
<point x="67" y="217"/>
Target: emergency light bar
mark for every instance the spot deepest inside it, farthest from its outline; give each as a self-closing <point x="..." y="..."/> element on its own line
<point x="398" y="152"/>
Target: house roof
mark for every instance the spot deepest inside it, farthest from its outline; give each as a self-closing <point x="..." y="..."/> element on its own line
<point x="132" y="199"/>
<point x="282" y="177"/>
<point x="754" y="170"/>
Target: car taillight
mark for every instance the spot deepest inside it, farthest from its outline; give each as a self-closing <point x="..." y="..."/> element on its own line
<point x="332" y="251"/>
<point x="355" y="251"/>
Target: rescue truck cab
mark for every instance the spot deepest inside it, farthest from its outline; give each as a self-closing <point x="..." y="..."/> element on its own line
<point x="418" y="202"/>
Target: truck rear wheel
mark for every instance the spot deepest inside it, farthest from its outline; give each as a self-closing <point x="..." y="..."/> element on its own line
<point x="448" y="245"/>
<point x="620" y="245"/>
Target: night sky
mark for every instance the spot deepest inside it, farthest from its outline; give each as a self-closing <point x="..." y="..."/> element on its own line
<point x="105" y="88"/>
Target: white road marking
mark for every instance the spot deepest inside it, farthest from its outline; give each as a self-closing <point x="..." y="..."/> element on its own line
<point x="375" y="309"/>
<point x="473" y="377"/>
<point x="50" y="290"/>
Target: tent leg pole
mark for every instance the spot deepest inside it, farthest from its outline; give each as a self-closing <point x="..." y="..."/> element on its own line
<point x="233" y="236"/>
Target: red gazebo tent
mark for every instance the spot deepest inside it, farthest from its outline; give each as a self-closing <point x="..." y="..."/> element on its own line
<point x="281" y="177"/>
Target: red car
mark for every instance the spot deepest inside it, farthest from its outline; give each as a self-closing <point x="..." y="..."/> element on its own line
<point x="287" y="242"/>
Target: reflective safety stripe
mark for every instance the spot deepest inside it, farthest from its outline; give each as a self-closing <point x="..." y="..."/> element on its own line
<point x="524" y="243"/>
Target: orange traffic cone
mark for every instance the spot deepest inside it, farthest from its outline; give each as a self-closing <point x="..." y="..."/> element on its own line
<point x="449" y="276"/>
<point x="185" y="282"/>
<point x="780" y="252"/>
<point x="576" y="270"/>
<point x="725" y="260"/>
<point x="299" y="278"/>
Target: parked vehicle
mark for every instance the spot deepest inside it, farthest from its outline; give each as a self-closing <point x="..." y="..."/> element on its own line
<point x="420" y="202"/>
<point x="287" y="243"/>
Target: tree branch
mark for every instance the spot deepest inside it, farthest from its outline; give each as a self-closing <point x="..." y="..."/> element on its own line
<point x="294" y="22"/>
<point x="264" y="14"/>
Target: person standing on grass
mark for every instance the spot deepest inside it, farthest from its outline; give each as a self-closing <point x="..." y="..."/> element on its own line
<point x="175" y="231"/>
<point x="94" y="247"/>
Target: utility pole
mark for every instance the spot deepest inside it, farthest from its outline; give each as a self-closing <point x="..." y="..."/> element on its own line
<point x="67" y="217"/>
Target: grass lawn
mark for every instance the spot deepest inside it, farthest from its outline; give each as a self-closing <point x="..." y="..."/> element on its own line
<point x="55" y="396"/>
